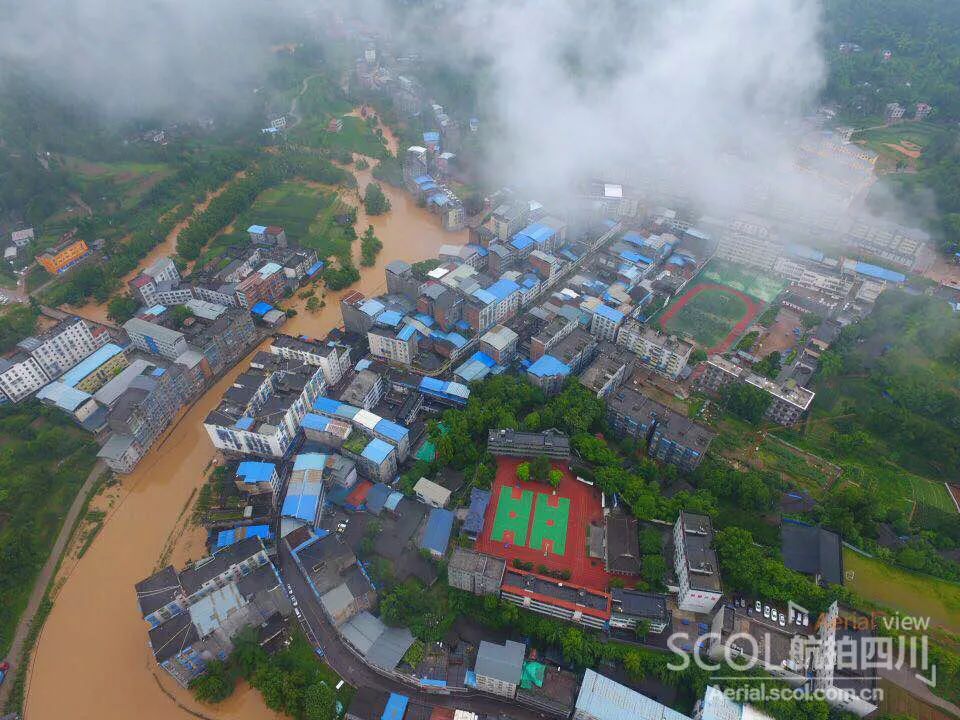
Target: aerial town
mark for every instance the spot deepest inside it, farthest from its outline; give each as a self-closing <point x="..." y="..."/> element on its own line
<point x="603" y="455"/>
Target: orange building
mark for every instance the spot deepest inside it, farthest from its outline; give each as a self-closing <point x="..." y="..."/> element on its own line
<point x="63" y="255"/>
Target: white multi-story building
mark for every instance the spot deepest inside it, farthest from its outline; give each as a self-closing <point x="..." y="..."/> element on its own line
<point x="64" y="345"/>
<point x="157" y="339"/>
<point x="664" y="353"/>
<point x="748" y="241"/>
<point x="21" y="376"/>
<point x="332" y="357"/>
<point x="162" y="273"/>
<point x="695" y="562"/>
<point x="606" y="322"/>
<point x="811" y="277"/>
<point x="789" y="401"/>
<point x="399" y="346"/>
<point x="260" y="413"/>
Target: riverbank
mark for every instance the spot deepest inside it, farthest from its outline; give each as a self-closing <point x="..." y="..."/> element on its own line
<point x="95" y="616"/>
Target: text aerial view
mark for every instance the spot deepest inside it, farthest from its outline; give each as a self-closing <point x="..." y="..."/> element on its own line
<point x="489" y="360"/>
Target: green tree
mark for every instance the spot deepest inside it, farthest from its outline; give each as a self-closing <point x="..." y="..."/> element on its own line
<point x="374" y="200"/>
<point x="370" y="246"/>
<point x="697" y="356"/>
<point x="319" y="702"/>
<point x="745" y="401"/>
<point x="121" y="308"/>
<point x="179" y="314"/>
<point x="540" y="468"/>
<point x="555" y="477"/>
<point x="214" y="686"/>
<point x="313" y="304"/>
<point x="769" y="366"/>
<point x="523" y="472"/>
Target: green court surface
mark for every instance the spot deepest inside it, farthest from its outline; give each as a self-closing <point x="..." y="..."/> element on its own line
<point x="550" y="523"/>
<point x="513" y="515"/>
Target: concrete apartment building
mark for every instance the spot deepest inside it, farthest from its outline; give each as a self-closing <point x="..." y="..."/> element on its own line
<point x="266" y="284"/>
<point x="365" y="390"/>
<point x="161" y="274"/>
<point x="153" y="338"/>
<point x="500" y="343"/>
<point x="141" y="402"/>
<point x="664" y="353"/>
<point x="608" y="371"/>
<point x="669" y="436"/>
<point x="331" y="356"/>
<point x="475" y="572"/>
<point x="401" y="280"/>
<point x="789" y="401"/>
<point x="195" y="614"/>
<point x="695" y="563"/>
<point x="399" y="345"/>
<point x="64" y="345"/>
<point x="513" y="443"/>
<point x="606" y="322"/>
<point x="260" y="413"/>
<point x="499" y="667"/>
<point x="21" y="376"/>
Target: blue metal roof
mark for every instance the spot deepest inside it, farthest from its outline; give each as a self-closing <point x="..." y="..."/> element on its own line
<point x="310" y="461"/>
<point x="521" y="241"/>
<point x="346" y="411"/>
<point x="391" y="430"/>
<point x="406" y="332"/>
<point x="269" y="269"/>
<point x="548" y="366"/>
<point x="634" y="238"/>
<point x="881" y="273"/>
<point x="539" y="232"/>
<point x="377" y="497"/>
<point x="257" y="229"/>
<point x="397" y="704"/>
<point x="427" y="186"/>
<point x="252" y="471"/>
<point x="316" y="267"/>
<point x="423" y="179"/>
<point x="377" y="451"/>
<point x="609" y="313"/>
<point x="436" y="535"/>
<point x="502" y="289"/>
<point x="479" y="249"/>
<point x="324" y="404"/>
<point x="631" y="256"/>
<point x="261" y="308"/>
<point x="225" y="538"/>
<point x="479" y="499"/>
<point x="244" y="423"/>
<point x="312" y="421"/>
<point x="472" y="370"/>
<point x="431" y="136"/>
<point x="485" y="297"/>
<point x="430" y="383"/>
<point x="86" y="366"/>
<point x="424" y="318"/>
<point x="390" y="318"/>
<point x="301" y="507"/>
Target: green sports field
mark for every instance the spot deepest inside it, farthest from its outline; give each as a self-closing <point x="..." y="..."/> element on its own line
<point x="708" y="317"/>
<point x="748" y="281"/>
<point x="550" y="523"/>
<point x="513" y="516"/>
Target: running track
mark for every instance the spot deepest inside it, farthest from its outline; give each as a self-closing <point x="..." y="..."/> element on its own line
<point x="753" y="309"/>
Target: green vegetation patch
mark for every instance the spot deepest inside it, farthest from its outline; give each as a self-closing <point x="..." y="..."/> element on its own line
<point x="751" y="282"/>
<point x="908" y="592"/>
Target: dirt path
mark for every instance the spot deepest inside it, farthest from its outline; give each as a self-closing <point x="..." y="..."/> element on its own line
<point x="292" y="112"/>
<point x="43" y="579"/>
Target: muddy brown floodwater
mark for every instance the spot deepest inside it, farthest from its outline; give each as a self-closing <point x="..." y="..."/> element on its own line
<point x="92" y="659"/>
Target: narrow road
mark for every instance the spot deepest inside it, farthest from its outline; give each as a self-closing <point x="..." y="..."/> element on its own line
<point x="43" y="579"/>
<point x="292" y="112"/>
<point x="358" y="674"/>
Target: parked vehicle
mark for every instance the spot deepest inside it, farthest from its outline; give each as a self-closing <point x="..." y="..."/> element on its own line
<point x="4" y="669"/>
<point x="766" y="611"/>
<point x="757" y="606"/>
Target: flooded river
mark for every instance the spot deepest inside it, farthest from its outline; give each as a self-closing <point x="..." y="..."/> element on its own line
<point x="92" y="659"/>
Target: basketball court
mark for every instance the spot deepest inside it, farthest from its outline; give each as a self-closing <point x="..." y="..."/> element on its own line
<point x="549" y="530"/>
<point x="513" y="516"/>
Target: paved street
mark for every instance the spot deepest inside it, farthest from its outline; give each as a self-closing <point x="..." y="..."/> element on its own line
<point x="346" y="664"/>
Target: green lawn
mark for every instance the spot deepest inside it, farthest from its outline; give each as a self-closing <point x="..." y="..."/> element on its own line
<point x="709" y="317"/>
<point x="916" y="133"/>
<point x="905" y="591"/>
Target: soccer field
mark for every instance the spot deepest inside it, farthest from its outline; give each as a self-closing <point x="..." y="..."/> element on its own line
<point x="513" y="517"/>
<point x="713" y="315"/>
<point x="550" y="525"/>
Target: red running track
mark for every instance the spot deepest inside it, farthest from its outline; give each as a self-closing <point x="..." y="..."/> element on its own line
<point x="585" y="508"/>
<point x="753" y="309"/>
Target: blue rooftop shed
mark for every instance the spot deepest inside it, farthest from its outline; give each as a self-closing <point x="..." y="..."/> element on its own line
<point x="436" y="535"/>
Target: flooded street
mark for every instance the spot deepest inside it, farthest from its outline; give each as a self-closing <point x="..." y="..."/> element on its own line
<point x="92" y="659"/>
